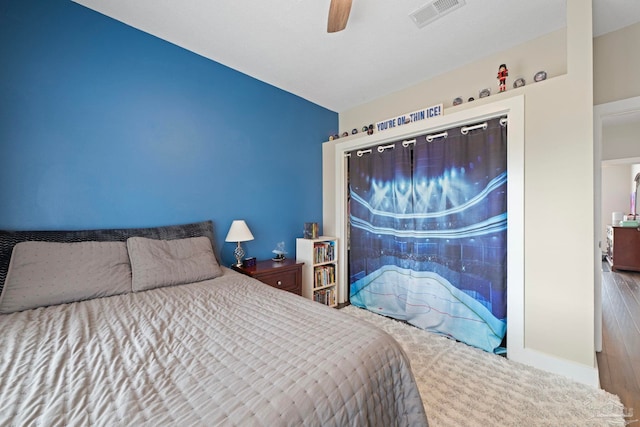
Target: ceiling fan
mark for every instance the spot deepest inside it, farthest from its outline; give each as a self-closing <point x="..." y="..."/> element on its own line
<point x="338" y="15"/>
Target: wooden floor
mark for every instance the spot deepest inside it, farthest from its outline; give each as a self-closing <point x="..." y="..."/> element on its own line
<point x="619" y="361"/>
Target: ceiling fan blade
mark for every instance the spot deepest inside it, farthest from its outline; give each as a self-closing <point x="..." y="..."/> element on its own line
<point x="338" y="15"/>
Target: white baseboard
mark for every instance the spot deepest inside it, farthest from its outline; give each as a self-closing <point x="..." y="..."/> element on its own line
<point x="581" y="373"/>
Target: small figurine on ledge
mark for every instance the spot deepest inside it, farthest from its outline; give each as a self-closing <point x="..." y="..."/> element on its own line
<point x="503" y="72"/>
<point x="279" y="251"/>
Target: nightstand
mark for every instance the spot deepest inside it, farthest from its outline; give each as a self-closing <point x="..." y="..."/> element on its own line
<point x="285" y="275"/>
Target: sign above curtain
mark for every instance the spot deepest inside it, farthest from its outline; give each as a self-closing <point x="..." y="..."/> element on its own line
<point x="428" y="232"/>
<point x="405" y="119"/>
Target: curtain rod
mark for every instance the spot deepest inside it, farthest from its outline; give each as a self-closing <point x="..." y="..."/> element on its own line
<point x="464" y="130"/>
<point x="384" y="147"/>
<point x="437" y="135"/>
<point x="407" y="142"/>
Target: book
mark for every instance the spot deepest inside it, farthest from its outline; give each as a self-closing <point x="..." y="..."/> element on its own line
<point x="310" y="230"/>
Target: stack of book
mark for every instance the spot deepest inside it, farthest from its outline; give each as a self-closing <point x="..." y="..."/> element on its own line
<point x="324" y="275"/>
<point x="325" y="296"/>
<point x="323" y="252"/>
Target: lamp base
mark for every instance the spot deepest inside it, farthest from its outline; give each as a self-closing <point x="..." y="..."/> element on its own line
<point x="238" y="252"/>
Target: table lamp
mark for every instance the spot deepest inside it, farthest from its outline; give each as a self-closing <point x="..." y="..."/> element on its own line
<point x="238" y="232"/>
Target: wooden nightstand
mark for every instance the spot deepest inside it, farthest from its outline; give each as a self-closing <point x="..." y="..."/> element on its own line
<point x="285" y="275"/>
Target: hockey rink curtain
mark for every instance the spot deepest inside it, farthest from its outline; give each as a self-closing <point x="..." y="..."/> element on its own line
<point x="428" y="232"/>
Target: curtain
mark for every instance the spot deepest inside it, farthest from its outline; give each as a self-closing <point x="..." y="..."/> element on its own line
<point x="428" y="233"/>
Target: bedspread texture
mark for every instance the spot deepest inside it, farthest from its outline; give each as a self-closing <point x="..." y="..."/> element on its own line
<point x="226" y="351"/>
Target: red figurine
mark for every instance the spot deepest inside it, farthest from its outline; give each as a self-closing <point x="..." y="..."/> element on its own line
<point x="503" y="72"/>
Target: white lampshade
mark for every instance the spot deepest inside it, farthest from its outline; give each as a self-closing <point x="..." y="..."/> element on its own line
<point x="239" y="232"/>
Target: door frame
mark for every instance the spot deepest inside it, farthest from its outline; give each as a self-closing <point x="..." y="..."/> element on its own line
<point x="600" y="113"/>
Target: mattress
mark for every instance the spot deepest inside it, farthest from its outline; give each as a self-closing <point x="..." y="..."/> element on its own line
<point x="227" y="351"/>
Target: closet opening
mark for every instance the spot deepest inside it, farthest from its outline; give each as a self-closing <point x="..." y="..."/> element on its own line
<point x="427" y="231"/>
<point x="430" y="248"/>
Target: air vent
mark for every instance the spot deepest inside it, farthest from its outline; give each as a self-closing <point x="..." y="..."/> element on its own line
<point x="434" y="10"/>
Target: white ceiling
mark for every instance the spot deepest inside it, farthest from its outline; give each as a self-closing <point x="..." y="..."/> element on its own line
<point x="285" y="42"/>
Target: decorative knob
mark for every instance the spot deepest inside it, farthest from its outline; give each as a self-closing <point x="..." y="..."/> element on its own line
<point x="279" y="282"/>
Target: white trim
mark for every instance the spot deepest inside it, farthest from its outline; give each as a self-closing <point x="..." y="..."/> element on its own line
<point x="512" y="107"/>
<point x="575" y="371"/>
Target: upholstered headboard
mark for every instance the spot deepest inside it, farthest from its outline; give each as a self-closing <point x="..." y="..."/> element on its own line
<point x="8" y="239"/>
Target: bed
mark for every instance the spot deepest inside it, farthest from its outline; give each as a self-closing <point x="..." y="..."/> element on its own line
<point x="144" y="327"/>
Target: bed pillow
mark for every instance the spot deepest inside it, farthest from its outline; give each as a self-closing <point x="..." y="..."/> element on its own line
<point x="8" y="239"/>
<point x="157" y="263"/>
<point x="50" y="273"/>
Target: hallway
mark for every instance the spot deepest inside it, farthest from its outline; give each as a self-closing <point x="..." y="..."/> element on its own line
<point x="619" y="361"/>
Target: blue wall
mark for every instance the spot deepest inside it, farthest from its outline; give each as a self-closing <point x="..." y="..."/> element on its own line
<point x="102" y="125"/>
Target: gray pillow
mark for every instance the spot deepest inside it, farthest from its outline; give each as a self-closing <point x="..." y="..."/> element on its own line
<point x="8" y="239"/>
<point x="49" y="273"/>
<point x="156" y="263"/>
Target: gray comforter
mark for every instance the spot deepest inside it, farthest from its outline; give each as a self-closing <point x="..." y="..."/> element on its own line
<point x="227" y="351"/>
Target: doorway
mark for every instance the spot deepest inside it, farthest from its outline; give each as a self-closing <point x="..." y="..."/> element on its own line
<point x="608" y="117"/>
